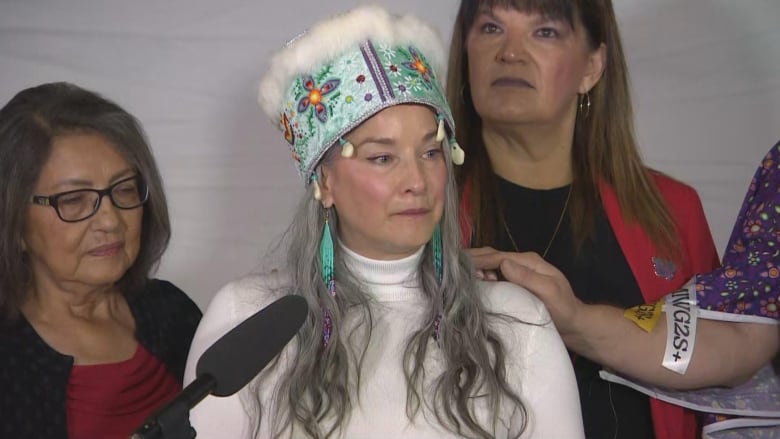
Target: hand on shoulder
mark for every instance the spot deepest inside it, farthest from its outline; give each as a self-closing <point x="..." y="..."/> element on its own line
<point x="532" y="272"/>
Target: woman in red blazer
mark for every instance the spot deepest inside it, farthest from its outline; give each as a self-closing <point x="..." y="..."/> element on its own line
<point x="736" y="333"/>
<point x="540" y="96"/>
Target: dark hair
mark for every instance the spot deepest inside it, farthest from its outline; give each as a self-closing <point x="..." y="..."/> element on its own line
<point x="604" y="146"/>
<point x="29" y="123"/>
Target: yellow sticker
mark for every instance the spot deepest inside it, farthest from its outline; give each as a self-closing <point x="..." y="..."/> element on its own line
<point x="646" y="315"/>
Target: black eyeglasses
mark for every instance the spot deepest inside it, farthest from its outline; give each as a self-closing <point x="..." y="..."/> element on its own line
<point x="78" y="205"/>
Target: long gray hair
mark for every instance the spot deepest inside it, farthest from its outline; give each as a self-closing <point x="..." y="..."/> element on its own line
<point x="318" y="389"/>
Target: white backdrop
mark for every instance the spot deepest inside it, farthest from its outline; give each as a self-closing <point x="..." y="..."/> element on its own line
<point x="706" y="76"/>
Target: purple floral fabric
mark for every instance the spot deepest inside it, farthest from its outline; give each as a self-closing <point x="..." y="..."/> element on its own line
<point x="749" y="280"/>
<point x="747" y="283"/>
<point x="748" y="411"/>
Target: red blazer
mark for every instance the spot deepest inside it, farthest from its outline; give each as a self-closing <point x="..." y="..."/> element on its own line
<point x="655" y="276"/>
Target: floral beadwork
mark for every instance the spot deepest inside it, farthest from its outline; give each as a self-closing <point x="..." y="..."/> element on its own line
<point x="418" y="65"/>
<point x="316" y="95"/>
<point x="289" y="134"/>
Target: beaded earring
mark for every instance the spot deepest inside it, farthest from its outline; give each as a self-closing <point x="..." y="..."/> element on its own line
<point x="326" y="256"/>
<point x="437" y="253"/>
<point x="326" y="261"/>
<point x="439" y="266"/>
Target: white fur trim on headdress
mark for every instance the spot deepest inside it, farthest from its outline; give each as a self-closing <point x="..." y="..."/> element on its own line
<point x="331" y="38"/>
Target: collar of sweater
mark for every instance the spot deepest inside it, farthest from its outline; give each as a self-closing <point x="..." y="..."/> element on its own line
<point x="387" y="281"/>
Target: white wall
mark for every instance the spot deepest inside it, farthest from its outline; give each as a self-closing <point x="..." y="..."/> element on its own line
<point x="706" y="75"/>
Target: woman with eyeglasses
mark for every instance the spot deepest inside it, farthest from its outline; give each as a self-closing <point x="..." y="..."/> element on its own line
<point x="89" y="344"/>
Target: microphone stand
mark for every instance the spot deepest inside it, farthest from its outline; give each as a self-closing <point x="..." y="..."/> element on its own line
<point x="173" y="420"/>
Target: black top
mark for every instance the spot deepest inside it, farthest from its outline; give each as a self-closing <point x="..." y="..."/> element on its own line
<point x="34" y="377"/>
<point x="598" y="273"/>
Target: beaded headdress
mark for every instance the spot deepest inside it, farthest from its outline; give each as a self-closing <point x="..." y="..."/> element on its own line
<point x="342" y="71"/>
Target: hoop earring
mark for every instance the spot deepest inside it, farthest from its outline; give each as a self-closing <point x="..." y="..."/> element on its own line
<point x="584" y="104"/>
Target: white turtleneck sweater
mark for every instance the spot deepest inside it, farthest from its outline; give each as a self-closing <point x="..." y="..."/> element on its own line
<point x="538" y="366"/>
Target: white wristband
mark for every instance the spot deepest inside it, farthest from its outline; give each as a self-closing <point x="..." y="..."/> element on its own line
<point x="682" y="312"/>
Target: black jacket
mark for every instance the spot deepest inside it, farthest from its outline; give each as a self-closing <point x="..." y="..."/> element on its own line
<point x="34" y="377"/>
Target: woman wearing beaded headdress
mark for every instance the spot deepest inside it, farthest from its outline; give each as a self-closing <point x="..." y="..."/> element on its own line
<point x="401" y="339"/>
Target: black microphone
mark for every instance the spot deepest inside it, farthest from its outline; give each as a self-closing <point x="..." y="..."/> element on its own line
<point x="229" y="364"/>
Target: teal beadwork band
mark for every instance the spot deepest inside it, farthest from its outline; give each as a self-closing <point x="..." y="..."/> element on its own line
<point x="323" y="100"/>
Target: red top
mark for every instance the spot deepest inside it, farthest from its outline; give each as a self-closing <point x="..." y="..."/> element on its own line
<point x="110" y="401"/>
